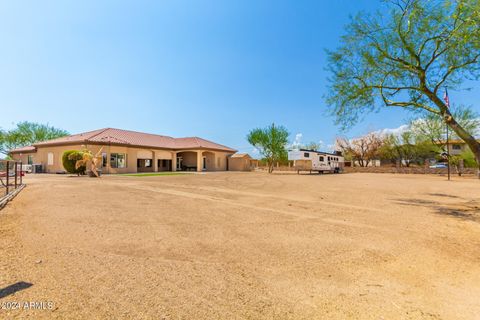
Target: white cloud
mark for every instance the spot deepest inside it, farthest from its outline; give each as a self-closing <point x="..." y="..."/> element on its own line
<point x="395" y="131"/>
<point x="331" y="147"/>
<point x="297" y="142"/>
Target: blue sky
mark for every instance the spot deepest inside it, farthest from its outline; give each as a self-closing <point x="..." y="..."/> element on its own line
<point x="214" y="69"/>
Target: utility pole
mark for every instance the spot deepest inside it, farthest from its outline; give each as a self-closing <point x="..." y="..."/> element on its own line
<point x="447" y="103"/>
<point x="448" y="155"/>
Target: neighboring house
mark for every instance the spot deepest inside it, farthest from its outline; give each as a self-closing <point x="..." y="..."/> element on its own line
<point x="242" y="162"/>
<point x="456" y="147"/>
<point x="124" y="151"/>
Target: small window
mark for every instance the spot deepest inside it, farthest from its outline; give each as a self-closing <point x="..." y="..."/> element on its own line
<point x="30" y="159"/>
<point x="322" y="159"/>
<point x="456" y="147"/>
<point x="118" y="160"/>
<point x="306" y="155"/>
<point x="104" y="159"/>
<point x="50" y="159"/>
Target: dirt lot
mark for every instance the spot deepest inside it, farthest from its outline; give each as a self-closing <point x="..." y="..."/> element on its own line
<point x="242" y="246"/>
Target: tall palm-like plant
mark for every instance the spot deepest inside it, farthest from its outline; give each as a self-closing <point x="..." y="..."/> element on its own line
<point x="89" y="158"/>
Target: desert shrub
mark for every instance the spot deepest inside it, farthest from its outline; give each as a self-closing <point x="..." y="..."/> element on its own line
<point x="70" y="158"/>
<point x="469" y="159"/>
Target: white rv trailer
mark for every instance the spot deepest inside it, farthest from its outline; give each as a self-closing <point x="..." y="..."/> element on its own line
<point x="311" y="160"/>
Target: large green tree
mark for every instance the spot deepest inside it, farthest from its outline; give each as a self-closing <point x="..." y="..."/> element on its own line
<point x="406" y="149"/>
<point x="405" y="59"/>
<point x="27" y="133"/>
<point x="271" y="142"/>
<point x="431" y="127"/>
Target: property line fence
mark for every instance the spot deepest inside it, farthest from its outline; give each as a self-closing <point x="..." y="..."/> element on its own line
<point x="11" y="180"/>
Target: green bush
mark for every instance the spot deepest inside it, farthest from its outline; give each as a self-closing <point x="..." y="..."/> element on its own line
<point x="469" y="159"/>
<point x="69" y="159"/>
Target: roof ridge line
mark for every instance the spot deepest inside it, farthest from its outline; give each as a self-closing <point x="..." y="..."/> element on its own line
<point x="102" y="131"/>
<point x="141" y="132"/>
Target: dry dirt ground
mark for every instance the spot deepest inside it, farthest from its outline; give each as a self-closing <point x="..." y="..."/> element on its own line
<point x="242" y="246"/>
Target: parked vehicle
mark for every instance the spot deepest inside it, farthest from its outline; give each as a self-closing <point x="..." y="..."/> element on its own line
<point x="27" y="168"/>
<point x="316" y="161"/>
<point x="439" y="166"/>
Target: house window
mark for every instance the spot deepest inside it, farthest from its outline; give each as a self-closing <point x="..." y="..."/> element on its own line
<point x="164" y="163"/>
<point x="104" y="159"/>
<point x="30" y="159"/>
<point x="306" y="155"/>
<point x="118" y="160"/>
<point x="50" y="159"/>
<point x="322" y="159"/>
<point x="148" y="163"/>
<point x="456" y="147"/>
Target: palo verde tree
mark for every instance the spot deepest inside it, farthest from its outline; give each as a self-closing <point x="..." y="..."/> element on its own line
<point x="405" y="59"/>
<point x="27" y="133"/>
<point x="271" y="142"/>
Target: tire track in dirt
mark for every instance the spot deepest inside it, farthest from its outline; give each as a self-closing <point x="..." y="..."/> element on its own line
<point x="259" y="195"/>
<point x="296" y="214"/>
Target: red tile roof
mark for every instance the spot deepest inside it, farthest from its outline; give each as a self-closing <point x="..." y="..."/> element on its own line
<point x="241" y="155"/>
<point x="131" y="138"/>
<point x="25" y="149"/>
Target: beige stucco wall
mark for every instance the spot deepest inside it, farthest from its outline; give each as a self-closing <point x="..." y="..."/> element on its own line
<point x="41" y="157"/>
<point x="239" y="164"/>
<point x="216" y="160"/>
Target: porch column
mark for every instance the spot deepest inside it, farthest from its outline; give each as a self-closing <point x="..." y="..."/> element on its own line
<point x="174" y="161"/>
<point x="199" y="161"/>
<point x="155" y="161"/>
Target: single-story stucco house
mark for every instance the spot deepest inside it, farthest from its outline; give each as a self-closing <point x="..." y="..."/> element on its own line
<point x="126" y="151"/>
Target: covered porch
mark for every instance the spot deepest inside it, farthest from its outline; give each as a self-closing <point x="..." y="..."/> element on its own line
<point x="194" y="160"/>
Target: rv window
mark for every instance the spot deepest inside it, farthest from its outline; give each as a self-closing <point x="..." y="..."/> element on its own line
<point x="306" y="155"/>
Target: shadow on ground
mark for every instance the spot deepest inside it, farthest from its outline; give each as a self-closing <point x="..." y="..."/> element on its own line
<point x="11" y="289"/>
<point x="469" y="210"/>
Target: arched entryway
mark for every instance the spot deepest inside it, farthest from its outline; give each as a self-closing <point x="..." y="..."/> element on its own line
<point x="187" y="161"/>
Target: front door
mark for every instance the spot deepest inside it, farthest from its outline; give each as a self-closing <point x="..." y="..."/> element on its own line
<point x="179" y="163"/>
